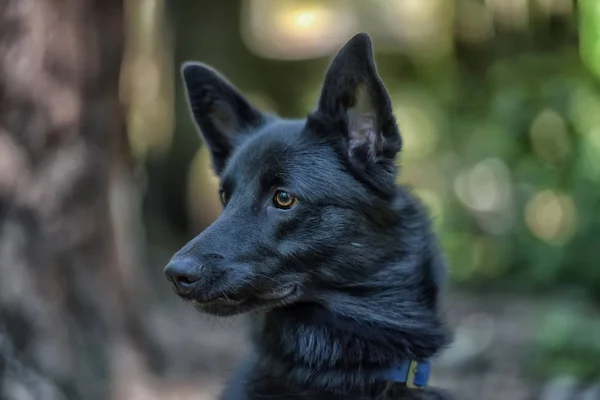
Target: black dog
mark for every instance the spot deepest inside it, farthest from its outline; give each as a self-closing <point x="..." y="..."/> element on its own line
<point x="337" y="263"/>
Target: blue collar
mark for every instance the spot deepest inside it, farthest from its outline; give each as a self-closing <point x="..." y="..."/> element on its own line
<point x="413" y="373"/>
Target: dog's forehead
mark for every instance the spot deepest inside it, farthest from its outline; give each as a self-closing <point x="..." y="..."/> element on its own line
<point x="274" y="138"/>
<point x="271" y="148"/>
<point x="281" y="150"/>
<point x="286" y="154"/>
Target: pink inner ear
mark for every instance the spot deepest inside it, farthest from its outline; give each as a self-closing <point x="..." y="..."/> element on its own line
<point x="363" y="133"/>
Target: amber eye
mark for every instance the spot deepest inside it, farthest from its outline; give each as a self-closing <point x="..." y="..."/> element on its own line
<point x="284" y="200"/>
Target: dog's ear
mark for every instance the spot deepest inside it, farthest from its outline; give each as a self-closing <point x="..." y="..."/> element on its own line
<point x="353" y="93"/>
<point x="220" y="111"/>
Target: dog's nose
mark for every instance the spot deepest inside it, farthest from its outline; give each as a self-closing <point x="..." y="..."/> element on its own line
<point x="183" y="274"/>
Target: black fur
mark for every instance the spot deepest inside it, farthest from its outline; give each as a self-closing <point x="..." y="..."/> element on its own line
<point x="361" y="269"/>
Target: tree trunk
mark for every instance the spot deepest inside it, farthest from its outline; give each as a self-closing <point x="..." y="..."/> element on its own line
<point x="63" y="298"/>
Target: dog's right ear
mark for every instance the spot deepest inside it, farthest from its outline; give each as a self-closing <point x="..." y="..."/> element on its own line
<point x="220" y="111"/>
<point x="355" y="98"/>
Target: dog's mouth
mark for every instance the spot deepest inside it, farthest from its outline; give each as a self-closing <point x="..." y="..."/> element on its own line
<point x="232" y="304"/>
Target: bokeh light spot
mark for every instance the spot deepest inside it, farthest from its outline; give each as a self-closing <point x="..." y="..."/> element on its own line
<point x="550" y="137"/>
<point x="551" y="217"/>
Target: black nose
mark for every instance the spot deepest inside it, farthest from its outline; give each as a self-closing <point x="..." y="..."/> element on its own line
<point x="183" y="274"/>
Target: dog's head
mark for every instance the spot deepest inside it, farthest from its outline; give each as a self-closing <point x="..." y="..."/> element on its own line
<point x="307" y="203"/>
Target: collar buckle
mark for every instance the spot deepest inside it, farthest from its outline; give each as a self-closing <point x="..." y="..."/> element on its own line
<point x="413" y="374"/>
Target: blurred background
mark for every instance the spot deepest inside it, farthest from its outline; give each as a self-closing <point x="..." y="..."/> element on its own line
<point x="103" y="177"/>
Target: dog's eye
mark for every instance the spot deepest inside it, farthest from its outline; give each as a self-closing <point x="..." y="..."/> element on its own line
<point x="284" y="200"/>
<point x="223" y="197"/>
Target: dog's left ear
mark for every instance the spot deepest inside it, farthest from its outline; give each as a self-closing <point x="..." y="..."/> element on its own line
<point x="221" y="112"/>
<point x="353" y="93"/>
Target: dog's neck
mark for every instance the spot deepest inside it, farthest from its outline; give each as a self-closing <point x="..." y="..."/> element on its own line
<point x="348" y="344"/>
<point x="347" y="339"/>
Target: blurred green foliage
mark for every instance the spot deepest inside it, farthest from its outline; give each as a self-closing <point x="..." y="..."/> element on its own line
<point x="567" y="344"/>
<point x="537" y="123"/>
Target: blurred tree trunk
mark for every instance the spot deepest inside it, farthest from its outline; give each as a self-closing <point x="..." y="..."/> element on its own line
<point x="64" y="301"/>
